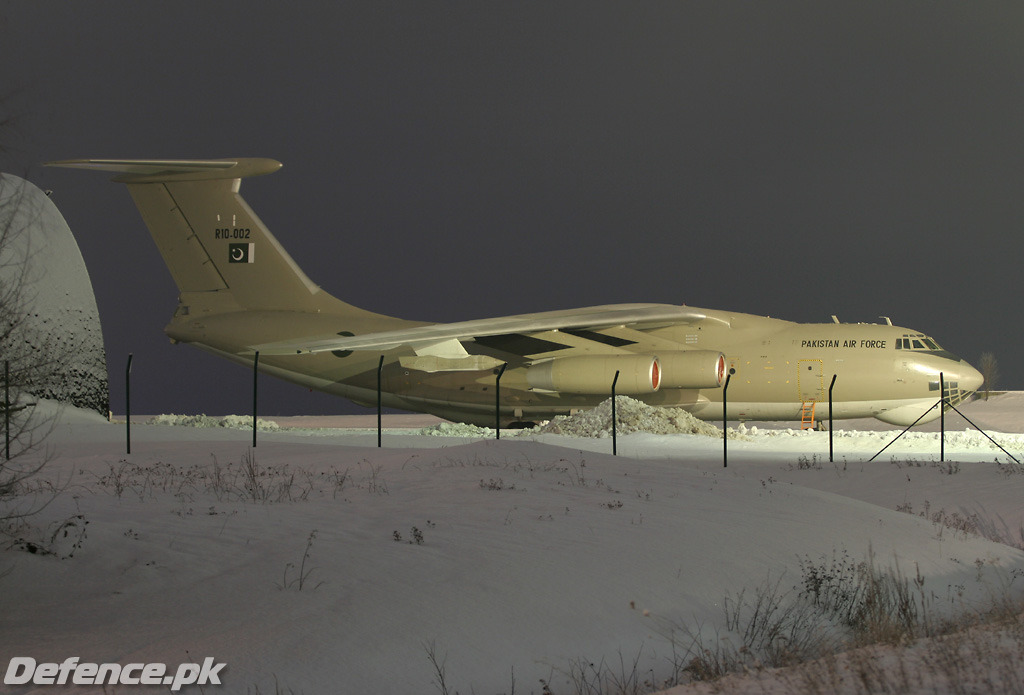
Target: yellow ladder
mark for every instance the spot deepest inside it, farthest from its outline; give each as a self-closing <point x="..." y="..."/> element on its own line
<point x="807" y="415"/>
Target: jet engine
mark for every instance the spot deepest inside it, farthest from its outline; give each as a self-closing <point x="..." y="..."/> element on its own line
<point x="692" y="369"/>
<point x="593" y="374"/>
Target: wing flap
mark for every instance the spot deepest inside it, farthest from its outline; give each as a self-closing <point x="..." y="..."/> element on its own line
<point x="432" y="363"/>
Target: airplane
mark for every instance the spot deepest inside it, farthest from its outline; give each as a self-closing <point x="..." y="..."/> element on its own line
<point x="243" y="297"/>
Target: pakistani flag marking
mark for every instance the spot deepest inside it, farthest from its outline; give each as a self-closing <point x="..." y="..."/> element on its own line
<point x="240" y="253"/>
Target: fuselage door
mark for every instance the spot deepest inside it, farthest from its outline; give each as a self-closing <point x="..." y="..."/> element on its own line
<point x="809" y="380"/>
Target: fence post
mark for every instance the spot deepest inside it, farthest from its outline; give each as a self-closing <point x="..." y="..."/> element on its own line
<point x="942" y="417"/>
<point x="725" y="422"/>
<point x="128" y="405"/>
<point x="497" y="402"/>
<point x="380" y="369"/>
<point x="255" y="380"/>
<point x="615" y="443"/>
<point x="830" y="387"/>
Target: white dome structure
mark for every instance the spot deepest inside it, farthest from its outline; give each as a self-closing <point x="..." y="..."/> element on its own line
<point x="43" y="275"/>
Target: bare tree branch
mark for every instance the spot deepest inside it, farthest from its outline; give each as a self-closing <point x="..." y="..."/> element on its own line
<point x="989" y="372"/>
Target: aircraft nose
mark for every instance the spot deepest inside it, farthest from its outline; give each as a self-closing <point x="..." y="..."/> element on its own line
<point x="970" y="378"/>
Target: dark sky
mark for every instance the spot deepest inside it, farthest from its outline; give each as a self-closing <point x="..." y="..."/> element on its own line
<point x="457" y="160"/>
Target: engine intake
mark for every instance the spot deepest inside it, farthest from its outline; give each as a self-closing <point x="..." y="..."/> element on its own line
<point x="593" y="374"/>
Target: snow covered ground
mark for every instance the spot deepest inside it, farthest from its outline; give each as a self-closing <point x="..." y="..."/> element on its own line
<point x="318" y="563"/>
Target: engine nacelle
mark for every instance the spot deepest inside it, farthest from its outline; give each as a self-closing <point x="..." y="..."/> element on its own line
<point x="593" y="374"/>
<point x="692" y="369"/>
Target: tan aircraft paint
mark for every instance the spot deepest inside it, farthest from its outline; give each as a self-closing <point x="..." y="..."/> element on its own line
<point x="240" y="292"/>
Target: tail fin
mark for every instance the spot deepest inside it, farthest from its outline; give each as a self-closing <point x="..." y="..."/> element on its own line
<point x="220" y="254"/>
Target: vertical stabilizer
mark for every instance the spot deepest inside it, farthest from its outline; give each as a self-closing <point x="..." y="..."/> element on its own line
<point x="218" y="251"/>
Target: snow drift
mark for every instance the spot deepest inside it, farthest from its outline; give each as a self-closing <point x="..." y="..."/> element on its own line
<point x="521" y="559"/>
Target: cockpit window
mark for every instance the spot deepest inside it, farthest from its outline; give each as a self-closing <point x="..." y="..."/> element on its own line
<point x="917" y="342"/>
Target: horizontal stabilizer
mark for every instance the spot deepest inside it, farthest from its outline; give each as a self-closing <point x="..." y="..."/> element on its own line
<point x="157" y="170"/>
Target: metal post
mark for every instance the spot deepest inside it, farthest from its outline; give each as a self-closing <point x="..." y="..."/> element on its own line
<point x="907" y="429"/>
<point x="380" y="369"/>
<point x="830" y="387"/>
<point x="255" y="374"/>
<point x="7" y="409"/>
<point x="128" y="405"/>
<point x="725" y="422"/>
<point x="497" y="402"/>
<point x="615" y="443"/>
<point x="942" y="417"/>
<point x="1012" y="457"/>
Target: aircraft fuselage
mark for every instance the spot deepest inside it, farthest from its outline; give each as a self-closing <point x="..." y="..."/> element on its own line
<point x="777" y="368"/>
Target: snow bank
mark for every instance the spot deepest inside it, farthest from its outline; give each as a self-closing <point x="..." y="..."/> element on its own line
<point x="511" y="560"/>
<point x="961" y="440"/>
<point x="238" y="422"/>
<point x="508" y="560"/>
<point x="632" y="416"/>
<point x="456" y="429"/>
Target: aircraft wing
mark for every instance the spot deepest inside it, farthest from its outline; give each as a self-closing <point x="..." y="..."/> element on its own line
<point x="422" y="338"/>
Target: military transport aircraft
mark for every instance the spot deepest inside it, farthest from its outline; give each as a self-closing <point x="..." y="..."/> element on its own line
<point x="241" y="293"/>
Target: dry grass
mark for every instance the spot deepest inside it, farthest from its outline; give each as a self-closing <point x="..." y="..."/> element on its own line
<point x="851" y="627"/>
